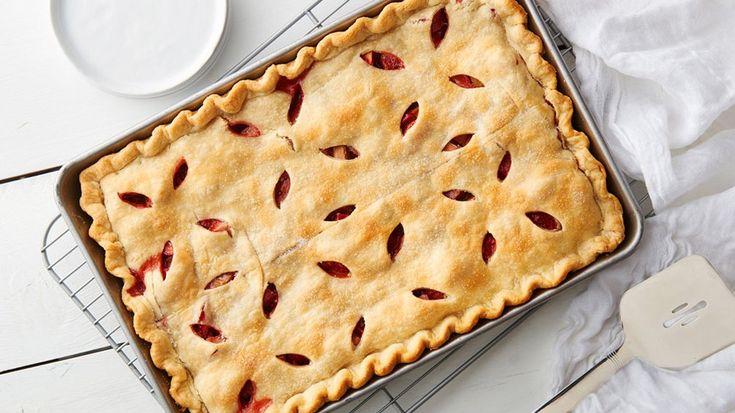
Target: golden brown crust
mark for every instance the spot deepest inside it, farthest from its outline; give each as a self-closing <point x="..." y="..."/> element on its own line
<point x="147" y="311"/>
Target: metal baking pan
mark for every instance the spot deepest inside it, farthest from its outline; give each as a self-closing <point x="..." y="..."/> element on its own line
<point x="68" y="192"/>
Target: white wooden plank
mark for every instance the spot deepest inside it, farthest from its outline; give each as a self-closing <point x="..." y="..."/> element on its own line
<point x="39" y="322"/>
<point x="50" y="113"/>
<point x="98" y="382"/>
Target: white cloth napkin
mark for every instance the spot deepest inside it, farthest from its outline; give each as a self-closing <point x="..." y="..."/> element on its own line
<point x="592" y="329"/>
<point x="656" y="74"/>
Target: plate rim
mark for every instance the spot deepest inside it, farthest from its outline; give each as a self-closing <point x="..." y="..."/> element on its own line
<point x="195" y="74"/>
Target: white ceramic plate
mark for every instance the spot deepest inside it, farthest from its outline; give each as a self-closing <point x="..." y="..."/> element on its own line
<point x="140" y="47"/>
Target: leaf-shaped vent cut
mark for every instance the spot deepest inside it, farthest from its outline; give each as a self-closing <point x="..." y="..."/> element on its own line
<point x="409" y="117"/>
<point x="439" y="26"/>
<point x="294" y="108"/>
<point x="345" y="152"/>
<point x="334" y="268"/>
<point x="242" y="128"/>
<point x="340" y="213"/>
<point x="135" y="199"/>
<point x="382" y="60"/>
<point x="287" y="85"/>
<point x="466" y="81"/>
<point x="504" y="167"/>
<point x="180" y="172"/>
<point x="459" y="195"/>
<point x="270" y="300"/>
<point x="544" y="220"/>
<point x="167" y="257"/>
<point x="215" y="225"/>
<point x="428" y="294"/>
<point x="459" y="141"/>
<point x="488" y="247"/>
<point x="221" y="280"/>
<point x="246" y="401"/>
<point x="207" y="332"/>
<point x="357" y="331"/>
<point x="294" y="359"/>
<point x="395" y="241"/>
<point x="293" y="88"/>
<point x="138" y="288"/>
<point x="280" y="191"/>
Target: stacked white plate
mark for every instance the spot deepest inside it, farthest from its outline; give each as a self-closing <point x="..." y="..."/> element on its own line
<point x="141" y="48"/>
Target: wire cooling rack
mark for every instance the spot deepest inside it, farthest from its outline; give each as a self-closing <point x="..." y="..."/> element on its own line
<point x="66" y="264"/>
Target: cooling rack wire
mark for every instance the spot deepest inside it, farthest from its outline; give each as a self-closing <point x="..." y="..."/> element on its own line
<point x="66" y="264"/>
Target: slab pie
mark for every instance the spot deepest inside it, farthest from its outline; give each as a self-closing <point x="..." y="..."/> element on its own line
<point x="351" y="209"/>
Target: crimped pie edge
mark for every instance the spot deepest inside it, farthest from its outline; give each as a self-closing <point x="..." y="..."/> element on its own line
<point x="525" y="42"/>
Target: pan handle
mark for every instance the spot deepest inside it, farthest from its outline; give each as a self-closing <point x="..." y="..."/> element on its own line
<point x="566" y="400"/>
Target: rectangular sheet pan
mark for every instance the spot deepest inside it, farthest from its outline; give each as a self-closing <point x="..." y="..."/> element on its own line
<point x="68" y="193"/>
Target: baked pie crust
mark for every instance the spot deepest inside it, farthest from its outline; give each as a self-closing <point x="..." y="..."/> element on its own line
<point x="352" y="208"/>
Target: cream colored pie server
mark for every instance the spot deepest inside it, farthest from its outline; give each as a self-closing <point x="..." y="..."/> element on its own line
<point x="671" y="320"/>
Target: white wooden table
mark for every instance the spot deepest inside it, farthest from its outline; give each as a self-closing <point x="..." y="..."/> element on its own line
<point x="51" y="358"/>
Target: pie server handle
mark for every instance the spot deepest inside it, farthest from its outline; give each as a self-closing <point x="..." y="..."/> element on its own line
<point x="567" y="399"/>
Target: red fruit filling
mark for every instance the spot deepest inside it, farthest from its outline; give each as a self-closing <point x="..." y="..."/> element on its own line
<point x="544" y="220"/>
<point x="293" y="88"/>
<point x="488" y="247"/>
<point x="409" y="117"/>
<point x="458" y="195"/>
<point x="357" y="331"/>
<point x="215" y="225"/>
<point x="428" y="294"/>
<point x="246" y="401"/>
<point x="280" y="192"/>
<point x="466" y="81"/>
<point x="294" y="359"/>
<point x="334" y="268"/>
<point x="180" y="171"/>
<point x="202" y="315"/>
<point x="289" y="85"/>
<point x="270" y="300"/>
<point x="207" y="332"/>
<point x="504" y="167"/>
<point x="395" y="241"/>
<point x="242" y="128"/>
<point x="221" y="280"/>
<point x="294" y="108"/>
<point x="459" y="141"/>
<point x="138" y="287"/>
<point x="167" y="257"/>
<point x="382" y="60"/>
<point x="439" y="26"/>
<point x="340" y="213"/>
<point x="135" y="199"/>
